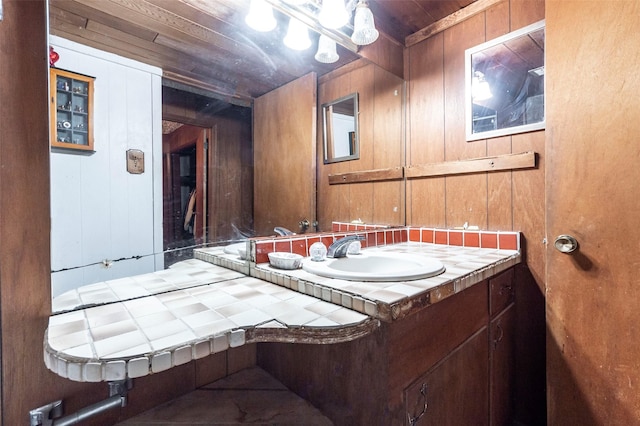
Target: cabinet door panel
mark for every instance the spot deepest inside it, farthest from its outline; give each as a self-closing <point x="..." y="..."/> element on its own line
<point x="501" y="292"/>
<point x="455" y="389"/>
<point x="502" y="366"/>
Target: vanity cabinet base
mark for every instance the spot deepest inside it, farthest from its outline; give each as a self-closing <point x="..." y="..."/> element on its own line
<point x="461" y="350"/>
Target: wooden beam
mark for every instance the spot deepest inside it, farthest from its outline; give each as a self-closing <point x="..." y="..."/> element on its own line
<point x="367" y="176"/>
<point x="525" y="160"/>
<point x="215" y="91"/>
<point x="449" y="21"/>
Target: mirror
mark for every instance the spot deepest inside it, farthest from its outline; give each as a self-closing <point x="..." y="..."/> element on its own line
<point x="340" y="129"/>
<point x="504" y="80"/>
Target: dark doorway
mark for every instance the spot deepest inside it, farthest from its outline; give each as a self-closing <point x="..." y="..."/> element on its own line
<point x="183" y="187"/>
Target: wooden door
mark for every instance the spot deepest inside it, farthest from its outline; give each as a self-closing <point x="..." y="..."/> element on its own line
<point x="187" y="142"/>
<point x="285" y="156"/>
<point x="593" y="191"/>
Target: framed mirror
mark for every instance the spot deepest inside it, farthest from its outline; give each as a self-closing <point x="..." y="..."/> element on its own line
<point x="504" y="84"/>
<point x="340" y="129"/>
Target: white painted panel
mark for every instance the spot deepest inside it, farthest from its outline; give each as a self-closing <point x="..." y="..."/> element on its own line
<point x="156" y="170"/>
<point x="99" y="210"/>
<point x="66" y="280"/>
<point x="66" y="216"/>
<point x="140" y="136"/>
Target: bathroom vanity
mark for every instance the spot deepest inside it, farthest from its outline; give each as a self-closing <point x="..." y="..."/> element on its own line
<point x="429" y="351"/>
<point x="449" y="363"/>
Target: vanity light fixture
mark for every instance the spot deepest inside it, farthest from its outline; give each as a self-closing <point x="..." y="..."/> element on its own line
<point x="480" y="89"/>
<point x="364" y="29"/>
<point x="260" y="16"/>
<point x="329" y="18"/>
<point x="326" y="50"/>
<point x="297" y="37"/>
<point x="333" y="14"/>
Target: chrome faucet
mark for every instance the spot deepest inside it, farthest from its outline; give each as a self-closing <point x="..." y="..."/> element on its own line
<point x="282" y="232"/>
<point x="339" y="247"/>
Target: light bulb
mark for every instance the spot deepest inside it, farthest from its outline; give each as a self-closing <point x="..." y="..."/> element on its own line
<point x="364" y="30"/>
<point x="260" y="16"/>
<point x="297" y="37"/>
<point x="333" y="14"/>
<point x="326" y="50"/>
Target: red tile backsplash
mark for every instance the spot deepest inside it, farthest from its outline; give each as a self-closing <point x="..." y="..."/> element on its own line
<point x="471" y="239"/>
<point x="263" y="248"/>
<point x="441" y="237"/>
<point x="376" y="235"/>
<point x="507" y="241"/>
<point x="488" y="240"/>
<point x="299" y="246"/>
<point x="283" y="245"/>
<point x="455" y="238"/>
<point x="427" y="236"/>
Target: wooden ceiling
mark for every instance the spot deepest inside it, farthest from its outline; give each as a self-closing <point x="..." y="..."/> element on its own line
<point x="207" y="45"/>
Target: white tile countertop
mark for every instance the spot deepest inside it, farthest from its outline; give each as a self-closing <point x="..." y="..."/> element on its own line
<point x="389" y="301"/>
<point x="152" y="333"/>
<point x="156" y="321"/>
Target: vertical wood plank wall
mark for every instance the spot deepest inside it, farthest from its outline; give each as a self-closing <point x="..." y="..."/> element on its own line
<point x="510" y="200"/>
<point x="230" y="175"/>
<point x="25" y="298"/>
<point x="380" y="98"/>
<point x="284" y="157"/>
<point x="435" y="132"/>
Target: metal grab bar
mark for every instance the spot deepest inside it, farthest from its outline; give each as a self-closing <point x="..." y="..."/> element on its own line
<point x="49" y="415"/>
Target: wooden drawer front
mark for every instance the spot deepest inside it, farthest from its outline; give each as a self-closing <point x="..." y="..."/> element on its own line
<point x="454" y="391"/>
<point x="501" y="291"/>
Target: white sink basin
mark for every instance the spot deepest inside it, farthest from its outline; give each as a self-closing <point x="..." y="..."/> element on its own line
<point x="376" y="267"/>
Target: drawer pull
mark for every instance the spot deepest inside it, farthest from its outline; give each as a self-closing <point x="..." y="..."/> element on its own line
<point x="500" y="336"/>
<point x="414" y="419"/>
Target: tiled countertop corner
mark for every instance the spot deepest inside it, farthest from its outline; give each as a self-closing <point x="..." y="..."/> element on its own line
<point x="152" y="333"/>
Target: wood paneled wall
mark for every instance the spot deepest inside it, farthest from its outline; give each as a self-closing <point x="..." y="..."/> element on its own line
<point x="25" y="290"/>
<point x="230" y="177"/>
<point x="509" y="200"/>
<point x="284" y="156"/>
<point x="381" y="100"/>
<point x="495" y="201"/>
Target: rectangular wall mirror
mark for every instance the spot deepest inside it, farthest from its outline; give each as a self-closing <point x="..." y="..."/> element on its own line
<point x="504" y="80"/>
<point x="340" y="129"/>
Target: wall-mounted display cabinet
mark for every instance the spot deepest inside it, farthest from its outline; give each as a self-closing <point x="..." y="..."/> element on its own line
<point x="71" y="112"/>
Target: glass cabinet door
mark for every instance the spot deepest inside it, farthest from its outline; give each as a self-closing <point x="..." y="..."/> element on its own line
<point x="71" y="121"/>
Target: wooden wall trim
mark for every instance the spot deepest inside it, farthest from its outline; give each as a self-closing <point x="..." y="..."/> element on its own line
<point x="449" y="21"/>
<point x="394" y="173"/>
<point x="345" y="69"/>
<point x="525" y="160"/>
<point x="216" y="91"/>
